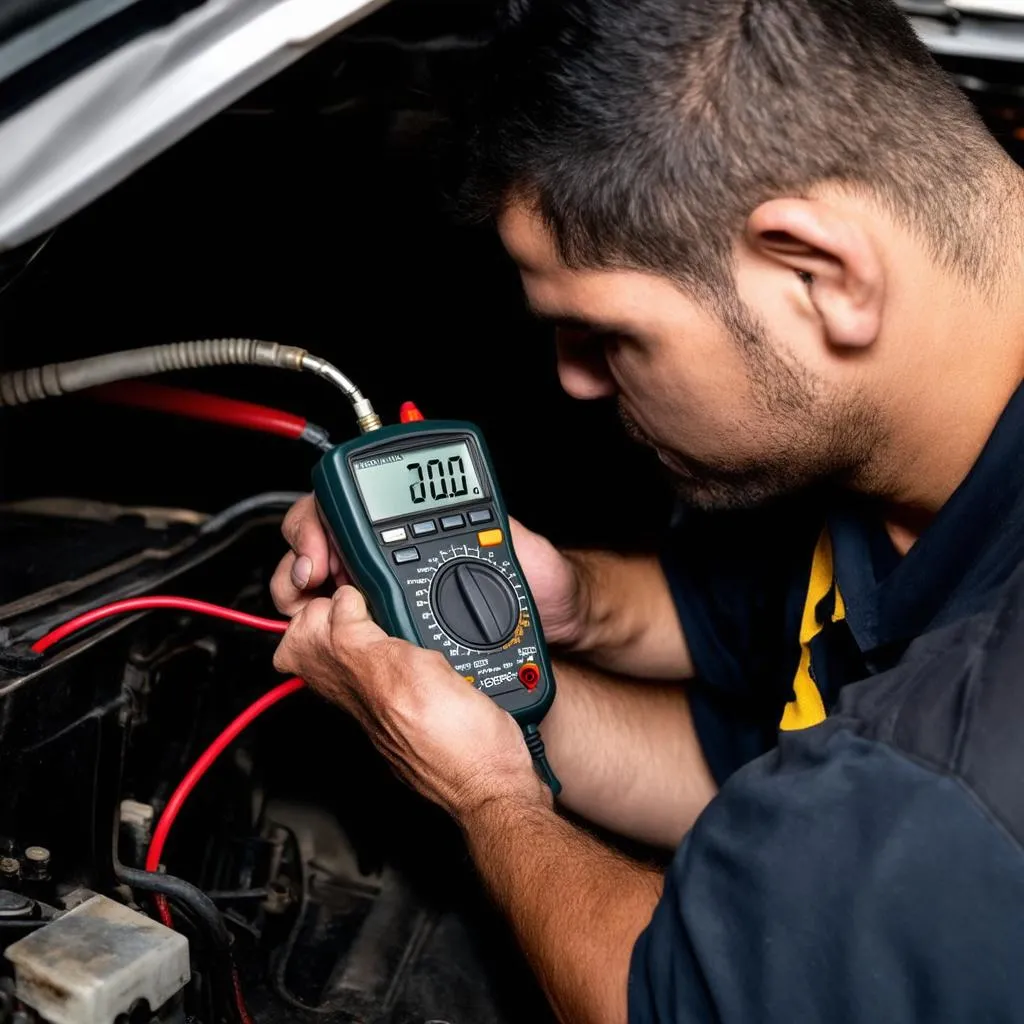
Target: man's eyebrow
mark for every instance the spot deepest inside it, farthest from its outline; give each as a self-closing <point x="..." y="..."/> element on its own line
<point x="548" y="316"/>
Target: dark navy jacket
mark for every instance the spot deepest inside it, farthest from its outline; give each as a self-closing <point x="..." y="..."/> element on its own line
<point x="867" y="869"/>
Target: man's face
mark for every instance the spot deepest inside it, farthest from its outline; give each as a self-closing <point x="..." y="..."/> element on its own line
<point x="736" y="417"/>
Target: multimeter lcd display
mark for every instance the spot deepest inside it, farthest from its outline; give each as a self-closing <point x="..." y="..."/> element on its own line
<point x="397" y="484"/>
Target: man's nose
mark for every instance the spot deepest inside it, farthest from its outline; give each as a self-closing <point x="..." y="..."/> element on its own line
<point x="582" y="366"/>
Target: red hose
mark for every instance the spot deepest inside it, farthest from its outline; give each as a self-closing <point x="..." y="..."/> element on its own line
<point x="199" y="769"/>
<point x="200" y="406"/>
<point x="138" y="604"/>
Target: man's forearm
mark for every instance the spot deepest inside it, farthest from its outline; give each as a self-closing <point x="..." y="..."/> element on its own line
<point x="577" y="907"/>
<point x="628" y="620"/>
<point x="627" y="754"/>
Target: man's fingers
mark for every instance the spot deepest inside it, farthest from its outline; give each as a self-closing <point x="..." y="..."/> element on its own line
<point x="349" y="605"/>
<point x="306" y="537"/>
<point x="337" y="572"/>
<point x="338" y="629"/>
<point x="518" y="530"/>
<point x="308" y="634"/>
<point x="307" y="567"/>
<point x="288" y="599"/>
<point x="352" y="628"/>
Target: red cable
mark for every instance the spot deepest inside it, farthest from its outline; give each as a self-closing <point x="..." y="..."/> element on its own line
<point x="199" y="769"/>
<point x="185" y="787"/>
<point x="200" y="406"/>
<point x="236" y="986"/>
<point x="138" y="604"/>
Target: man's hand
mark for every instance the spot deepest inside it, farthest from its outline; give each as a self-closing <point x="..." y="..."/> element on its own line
<point x="552" y="577"/>
<point x="309" y="563"/>
<point x="452" y="744"/>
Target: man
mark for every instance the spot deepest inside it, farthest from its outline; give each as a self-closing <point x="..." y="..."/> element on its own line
<point x="779" y="235"/>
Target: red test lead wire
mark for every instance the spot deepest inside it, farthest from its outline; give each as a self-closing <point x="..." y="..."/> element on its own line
<point x="140" y="604"/>
<point x="198" y="770"/>
<point x="185" y="787"/>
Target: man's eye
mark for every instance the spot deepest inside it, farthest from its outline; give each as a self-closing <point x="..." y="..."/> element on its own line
<point x="573" y="336"/>
<point x="608" y="341"/>
<point x="589" y="339"/>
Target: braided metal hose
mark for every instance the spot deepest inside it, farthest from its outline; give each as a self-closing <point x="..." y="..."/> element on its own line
<point x="19" y="387"/>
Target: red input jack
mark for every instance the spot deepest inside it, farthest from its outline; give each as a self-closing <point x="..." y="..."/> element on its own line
<point x="529" y="675"/>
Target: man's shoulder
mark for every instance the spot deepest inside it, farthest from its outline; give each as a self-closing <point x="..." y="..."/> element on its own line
<point x="955" y="703"/>
<point x="870" y="867"/>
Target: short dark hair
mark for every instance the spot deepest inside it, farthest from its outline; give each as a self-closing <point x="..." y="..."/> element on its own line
<point x="646" y="131"/>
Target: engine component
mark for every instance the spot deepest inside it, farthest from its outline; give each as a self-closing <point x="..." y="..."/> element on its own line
<point x="99" y="961"/>
<point x="14" y="906"/>
<point x="37" y="864"/>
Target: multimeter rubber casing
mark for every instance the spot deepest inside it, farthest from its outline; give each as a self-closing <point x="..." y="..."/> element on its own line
<point x="444" y="577"/>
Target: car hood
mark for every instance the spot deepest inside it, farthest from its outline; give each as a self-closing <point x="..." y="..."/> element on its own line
<point x="95" y="89"/>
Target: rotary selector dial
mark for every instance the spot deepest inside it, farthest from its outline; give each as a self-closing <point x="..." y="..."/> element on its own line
<point x="474" y="603"/>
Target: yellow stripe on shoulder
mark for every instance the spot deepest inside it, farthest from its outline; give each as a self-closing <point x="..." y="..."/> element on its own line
<point x="807" y="708"/>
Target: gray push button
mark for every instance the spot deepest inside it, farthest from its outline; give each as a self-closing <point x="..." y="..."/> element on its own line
<point x="406" y="555"/>
<point x="481" y="515"/>
<point x="424" y="529"/>
<point x="452" y="522"/>
<point x="393" y="536"/>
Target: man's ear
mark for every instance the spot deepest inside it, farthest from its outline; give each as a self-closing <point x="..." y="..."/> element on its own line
<point x="835" y="257"/>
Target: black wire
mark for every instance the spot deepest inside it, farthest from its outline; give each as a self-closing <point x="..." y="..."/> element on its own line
<point x="22" y="926"/>
<point x="535" y="745"/>
<point x="202" y="908"/>
<point x="271" y="499"/>
<point x="226" y="895"/>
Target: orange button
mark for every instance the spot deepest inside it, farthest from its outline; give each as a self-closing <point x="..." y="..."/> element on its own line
<point x="488" y="538"/>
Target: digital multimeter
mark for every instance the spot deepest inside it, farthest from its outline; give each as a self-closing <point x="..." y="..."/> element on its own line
<point x="419" y="524"/>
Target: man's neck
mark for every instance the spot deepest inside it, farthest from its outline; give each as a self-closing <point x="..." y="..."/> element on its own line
<point x="931" y="470"/>
<point x="950" y="403"/>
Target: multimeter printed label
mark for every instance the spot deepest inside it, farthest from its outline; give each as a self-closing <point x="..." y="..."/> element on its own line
<point x="381" y="460"/>
<point x="502" y="679"/>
